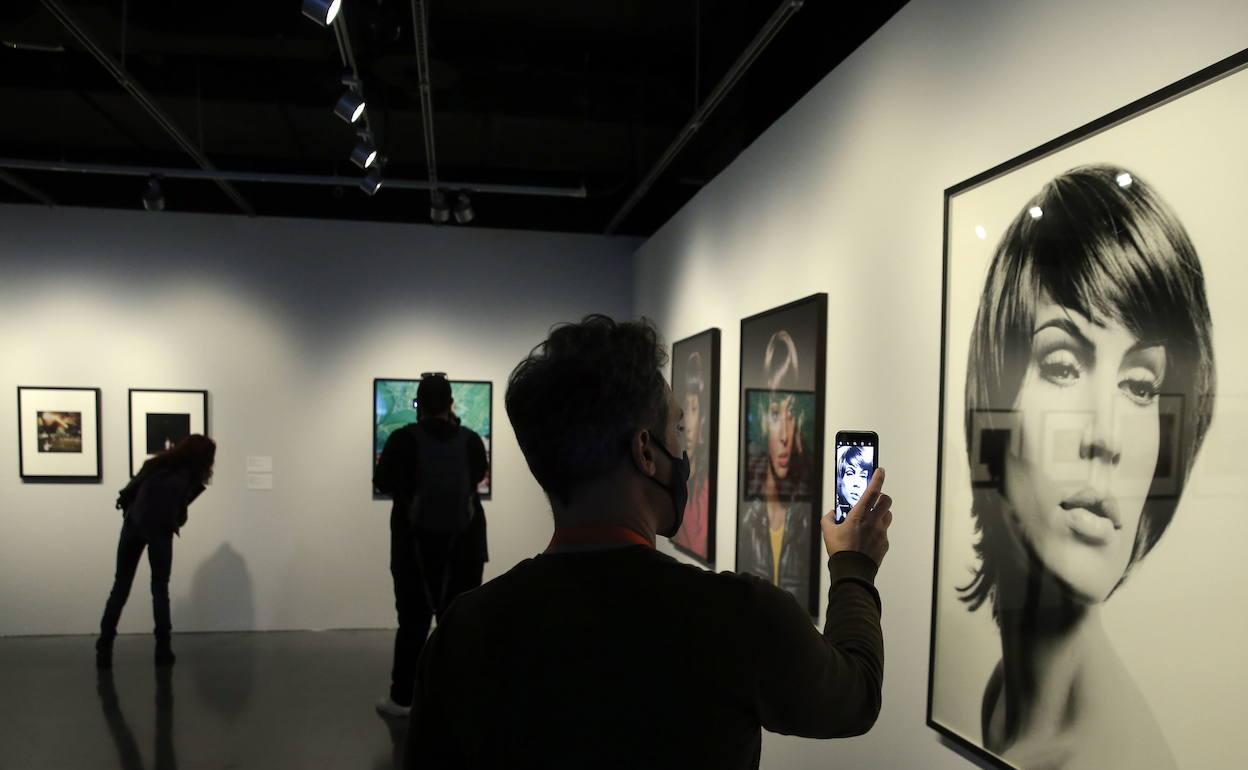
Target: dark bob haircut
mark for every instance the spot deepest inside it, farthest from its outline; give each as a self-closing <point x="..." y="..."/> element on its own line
<point x="577" y="398"/>
<point x="1108" y="247"/>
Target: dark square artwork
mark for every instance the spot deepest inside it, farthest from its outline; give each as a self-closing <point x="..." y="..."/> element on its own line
<point x="60" y="432"/>
<point x="164" y="431"/>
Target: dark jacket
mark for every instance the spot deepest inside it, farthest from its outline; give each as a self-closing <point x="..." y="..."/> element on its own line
<point x="754" y="553"/>
<point x="157" y="501"/>
<point x="625" y="658"/>
<point x="398" y="474"/>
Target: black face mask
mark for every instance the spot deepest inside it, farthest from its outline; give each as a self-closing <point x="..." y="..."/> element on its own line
<point x="678" y="490"/>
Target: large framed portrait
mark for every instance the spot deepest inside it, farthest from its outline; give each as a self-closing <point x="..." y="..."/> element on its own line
<point x="159" y="419"/>
<point x="1089" y="578"/>
<point x="58" y="434"/>
<point x="394" y="406"/>
<point x="695" y="384"/>
<point x="780" y="449"/>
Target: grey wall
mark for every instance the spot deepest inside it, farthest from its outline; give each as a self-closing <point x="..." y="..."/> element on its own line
<point x="285" y="323"/>
<point x="844" y="195"/>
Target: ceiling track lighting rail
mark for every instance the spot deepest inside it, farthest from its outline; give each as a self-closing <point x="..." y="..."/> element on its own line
<point x="20" y="164"/>
<point x="738" y="69"/>
<point x="145" y="100"/>
<point x="23" y="187"/>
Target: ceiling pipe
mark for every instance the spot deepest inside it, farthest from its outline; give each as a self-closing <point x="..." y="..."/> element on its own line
<point x="24" y="187"/>
<point x="738" y="69"/>
<point x="22" y="164"/>
<point x="420" y="31"/>
<point x="144" y="99"/>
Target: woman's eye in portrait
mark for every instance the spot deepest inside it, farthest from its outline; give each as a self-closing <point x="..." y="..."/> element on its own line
<point x="1060" y="366"/>
<point x="1141" y="385"/>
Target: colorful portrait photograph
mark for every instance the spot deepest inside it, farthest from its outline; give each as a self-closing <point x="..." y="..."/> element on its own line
<point x="780" y="454"/>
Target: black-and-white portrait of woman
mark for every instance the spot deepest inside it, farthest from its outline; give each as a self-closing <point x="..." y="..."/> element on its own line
<point x="1093" y="391"/>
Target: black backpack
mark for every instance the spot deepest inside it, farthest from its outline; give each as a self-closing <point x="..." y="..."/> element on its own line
<point x="444" y="502"/>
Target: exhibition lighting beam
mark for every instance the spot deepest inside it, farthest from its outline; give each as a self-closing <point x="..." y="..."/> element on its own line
<point x="372" y="181"/>
<point x="350" y="105"/>
<point x="364" y="154"/>
<point x="322" y="12"/>
<point x="464" y="212"/>
<point x="153" y="196"/>
<point x="439" y="211"/>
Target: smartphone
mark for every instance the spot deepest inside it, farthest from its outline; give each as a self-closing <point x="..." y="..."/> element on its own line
<point x="857" y="456"/>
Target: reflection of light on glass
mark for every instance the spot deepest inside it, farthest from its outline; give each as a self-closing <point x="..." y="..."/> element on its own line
<point x="980" y="232"/>
<point x="1124" y="179"/>
<point x="1036" y="212"/>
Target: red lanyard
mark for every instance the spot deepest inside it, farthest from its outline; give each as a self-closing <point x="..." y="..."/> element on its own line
<point x="590" y="536"/>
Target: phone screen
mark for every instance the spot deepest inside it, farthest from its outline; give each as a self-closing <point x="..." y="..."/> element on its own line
<point x="857" y="454"/>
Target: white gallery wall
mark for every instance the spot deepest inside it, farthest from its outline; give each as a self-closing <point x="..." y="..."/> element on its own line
<point x="285" y="323"/>
<point x="844" y="195"/>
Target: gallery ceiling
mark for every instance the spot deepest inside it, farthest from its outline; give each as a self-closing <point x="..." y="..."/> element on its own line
<point x="575" y="100"/>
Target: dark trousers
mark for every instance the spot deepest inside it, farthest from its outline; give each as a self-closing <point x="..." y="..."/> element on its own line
<point x="429" y="571"/>
<point x="129" y="552"/>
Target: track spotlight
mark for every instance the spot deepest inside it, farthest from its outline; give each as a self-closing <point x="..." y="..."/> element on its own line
<point x="365" y="153"/>
<point x="322" y="12"/>
<point x="439" y="211"/>
<point x="463" y="209"/>
<point x="153" y="196"/>
<point x="372" y="181"/>
<point x="350" y="106"/>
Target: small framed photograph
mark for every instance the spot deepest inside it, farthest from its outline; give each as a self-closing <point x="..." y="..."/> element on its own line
<point x="695" y="384"/>
<point x="159" y="419"/>
<point x="394" y="406"/>
<point x="58" y="434"/>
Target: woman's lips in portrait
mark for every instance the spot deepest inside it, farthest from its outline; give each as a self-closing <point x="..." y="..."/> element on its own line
<point x="782" y="460"/>
<point x="1091" y="516"/>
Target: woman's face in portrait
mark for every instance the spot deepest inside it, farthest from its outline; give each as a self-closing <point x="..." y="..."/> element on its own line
<point x="693" y="422"/>
<point x="1078" y="476"/>
<point x="853" y="480"/>
<point x="781" y="425"/>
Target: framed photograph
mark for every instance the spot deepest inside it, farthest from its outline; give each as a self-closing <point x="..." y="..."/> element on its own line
<point x="695" y="384"/>
<point x="394" y="406"/>
<point x="780" y="450"/>
<point x="58" y="434"/>
<point x="1092" y="383"/>
<point x="159" y="419"/>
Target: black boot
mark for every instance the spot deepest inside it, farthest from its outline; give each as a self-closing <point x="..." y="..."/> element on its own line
<point x="103" y="653"/>
<point x="164" y="652"/>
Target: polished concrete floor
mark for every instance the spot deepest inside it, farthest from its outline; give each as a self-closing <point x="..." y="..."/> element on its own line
<point x="262" y="700"/>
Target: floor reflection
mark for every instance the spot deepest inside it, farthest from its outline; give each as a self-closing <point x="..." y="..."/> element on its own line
<point x="398" y="737"/>
<point x="123" y="737"/>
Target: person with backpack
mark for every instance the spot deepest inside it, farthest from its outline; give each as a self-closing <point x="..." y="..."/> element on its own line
<point x="431" y="469"/>
<point x="154" y="509"/>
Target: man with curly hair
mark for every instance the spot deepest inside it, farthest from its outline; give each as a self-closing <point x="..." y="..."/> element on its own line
<point x="552" y="665"/>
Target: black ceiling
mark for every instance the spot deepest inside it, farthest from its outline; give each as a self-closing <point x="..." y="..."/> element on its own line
<point x="558" y="93"/>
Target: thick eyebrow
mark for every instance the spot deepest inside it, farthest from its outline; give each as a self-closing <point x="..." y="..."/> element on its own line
<point x="1066" y="325"/>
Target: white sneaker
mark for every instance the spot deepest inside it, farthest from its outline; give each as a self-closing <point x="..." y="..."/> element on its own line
<point x="388" y="708"/>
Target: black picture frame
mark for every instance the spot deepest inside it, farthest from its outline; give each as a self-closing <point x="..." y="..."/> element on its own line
<point x="94" y="477"/>
<point x="203" y="394"/>
<point x="489" y="453"/>
<point x="817" y="304"/>
<point x="1226" y="67"/>
<point x="681" y="350"/>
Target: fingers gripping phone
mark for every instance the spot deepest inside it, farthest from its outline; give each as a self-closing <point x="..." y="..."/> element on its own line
<point x="857" y="457"/>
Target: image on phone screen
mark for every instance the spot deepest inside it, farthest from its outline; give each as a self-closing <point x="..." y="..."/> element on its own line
<point x="855" y="462"/>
